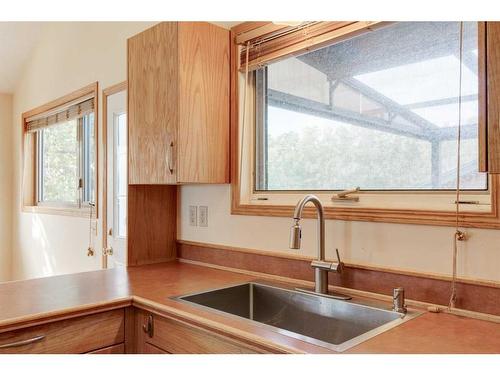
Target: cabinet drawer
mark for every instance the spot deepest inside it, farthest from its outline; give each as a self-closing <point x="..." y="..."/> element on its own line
<point x="76" y="335"/>
<point x="115" y="349"/>
<point x="151" y="349"/>
<point x="180" y="338"/>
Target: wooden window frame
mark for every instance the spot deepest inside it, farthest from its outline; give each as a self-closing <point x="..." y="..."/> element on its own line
<point x="490" y="219"/>
<point x="29" y="199"/>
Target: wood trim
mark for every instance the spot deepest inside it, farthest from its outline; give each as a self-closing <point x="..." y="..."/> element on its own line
<point x="479" y="296"/>
<point x="28" y="190"/>
<point x="114" y="89"/>
<point x="89" y="89"/>
<point x="297" y="41"/>
<point x="490" y="220"/>
<point x="246" y="27"/>
<point x="493" y="96"/>
<point x="482" y="120"/>
<point x="257" y="30"/>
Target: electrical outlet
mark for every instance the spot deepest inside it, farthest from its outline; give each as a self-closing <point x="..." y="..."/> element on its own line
<point x="203" y="216"/>
<point x="193" y="216"/>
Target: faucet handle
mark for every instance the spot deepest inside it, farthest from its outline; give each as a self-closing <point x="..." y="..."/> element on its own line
<point x="337" y="267"/>
<point x="327" y="265"/>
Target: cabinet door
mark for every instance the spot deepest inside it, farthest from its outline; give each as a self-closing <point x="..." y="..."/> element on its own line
<point x="153" y="105"/>
<point x="175" y="337"/>
<point x="203" y="155"/>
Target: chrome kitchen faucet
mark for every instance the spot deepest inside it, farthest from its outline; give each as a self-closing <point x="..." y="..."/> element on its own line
<point x="320" y="265"/>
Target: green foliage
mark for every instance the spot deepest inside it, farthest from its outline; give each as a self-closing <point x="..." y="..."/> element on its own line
<point x="60" y="163"/>
<point x="341" y="156"/>
<point x="62" y="154"/>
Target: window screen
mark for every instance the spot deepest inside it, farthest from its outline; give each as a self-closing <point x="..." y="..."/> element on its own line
<point x="378" y="111"/>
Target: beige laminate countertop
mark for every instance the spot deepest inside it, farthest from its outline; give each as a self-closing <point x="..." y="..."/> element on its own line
<point x="28" y="302"/>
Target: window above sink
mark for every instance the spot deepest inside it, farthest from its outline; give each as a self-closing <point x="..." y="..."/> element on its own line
<point x="377" y="109"/>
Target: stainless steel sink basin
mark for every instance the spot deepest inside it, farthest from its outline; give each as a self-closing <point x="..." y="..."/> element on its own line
<point x="323" y="321"/>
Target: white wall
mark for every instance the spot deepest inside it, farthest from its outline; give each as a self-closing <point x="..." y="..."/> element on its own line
<point x="420" y="248"/>
<point x="69" y="56"/>
<point x="5" y="185"/>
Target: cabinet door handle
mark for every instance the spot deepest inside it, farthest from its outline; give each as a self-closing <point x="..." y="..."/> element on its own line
<point x="149" y="327"/>
<point x="170" y="157"/>
<point x="22" y="342"/>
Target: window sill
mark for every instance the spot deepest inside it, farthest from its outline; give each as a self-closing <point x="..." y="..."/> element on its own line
<point x="486" y="219"/>
<point x="61" y="211"/>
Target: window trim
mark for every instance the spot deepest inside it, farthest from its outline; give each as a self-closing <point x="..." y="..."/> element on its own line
<point x="29" y="184"/>
<point x="116" y="88"/>
<point x="490" y="219"/>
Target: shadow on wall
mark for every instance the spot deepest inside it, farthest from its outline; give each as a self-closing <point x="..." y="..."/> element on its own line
<point x="39" y="234"/>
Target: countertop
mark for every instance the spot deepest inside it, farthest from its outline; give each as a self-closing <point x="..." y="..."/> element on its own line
<point x="24" y="303"/>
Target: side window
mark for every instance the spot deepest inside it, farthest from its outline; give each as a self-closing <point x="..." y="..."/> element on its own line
<point x="66" y="163"/>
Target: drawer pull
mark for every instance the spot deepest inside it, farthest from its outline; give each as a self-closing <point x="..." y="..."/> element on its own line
<point x="149" y="327"/>
<point x="22" y="342"/>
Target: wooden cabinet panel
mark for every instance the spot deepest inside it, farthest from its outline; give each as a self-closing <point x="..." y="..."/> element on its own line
<point x="151" y="349"/>
<point x="177" y="337"/>
<point x="115" y="349"/>
<point x="153" y="105"/>
<point x="152" y="224"/>
<point x="76" y="335"/>
<point x="203" y="151"/>
<point x="178" y="104"/>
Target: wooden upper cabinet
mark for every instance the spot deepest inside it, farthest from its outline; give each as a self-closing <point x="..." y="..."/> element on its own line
<point x="178" y="104"/>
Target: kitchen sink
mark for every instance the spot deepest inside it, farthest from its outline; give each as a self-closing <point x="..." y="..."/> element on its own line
<point x="317" y="319"/>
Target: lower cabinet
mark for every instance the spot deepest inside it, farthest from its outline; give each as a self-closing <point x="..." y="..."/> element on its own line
<point x="160" y="335"/>
<point x="96" y="333"/>
<point x="120" y="331"/>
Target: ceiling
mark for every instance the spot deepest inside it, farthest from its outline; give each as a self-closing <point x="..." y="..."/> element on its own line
<point x="17" y="41"/>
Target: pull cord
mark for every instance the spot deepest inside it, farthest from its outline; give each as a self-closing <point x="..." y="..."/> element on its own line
<point x="458" y="235"/>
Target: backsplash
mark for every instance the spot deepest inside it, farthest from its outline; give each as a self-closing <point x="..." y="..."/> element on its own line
<point x="415" y="248"/>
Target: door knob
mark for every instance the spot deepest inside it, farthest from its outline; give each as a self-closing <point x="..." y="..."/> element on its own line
<point x="108" y="251"/>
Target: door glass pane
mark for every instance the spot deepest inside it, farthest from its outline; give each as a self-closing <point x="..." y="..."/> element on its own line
<point x="89" y="165"/>
<point x="379" y="111"/>
<point x="121" y="174"/>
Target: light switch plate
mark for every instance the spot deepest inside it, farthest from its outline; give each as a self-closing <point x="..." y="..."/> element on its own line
<point x="193" y="216"/>
<point x="203" y="216"/>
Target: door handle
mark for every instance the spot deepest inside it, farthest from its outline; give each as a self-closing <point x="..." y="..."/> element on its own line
<point x="170" y="157"/>
<point x="108" y="251"/>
